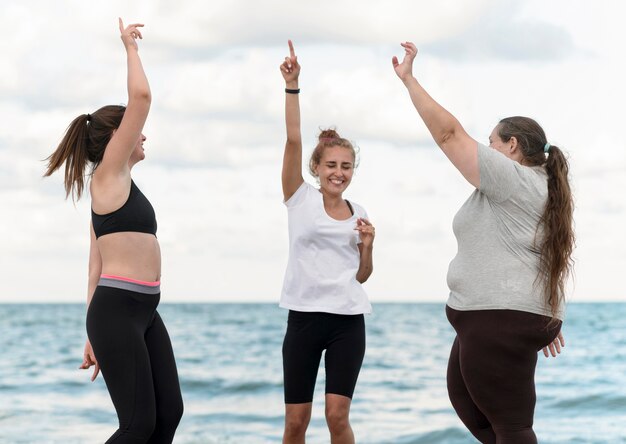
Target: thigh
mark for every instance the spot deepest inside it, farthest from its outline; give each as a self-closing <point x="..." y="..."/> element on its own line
<point x="164" y="371"/>
<point x="498" y="356"/>
<point x="169" y="401"/>
<point x="116" y="335"/>
<point x="302" y="351"/>
<point x="465" y="407"/>
<point x="344" y="355"/>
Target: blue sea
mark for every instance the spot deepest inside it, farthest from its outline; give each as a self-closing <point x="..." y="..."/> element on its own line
<point x="229" y="360"/>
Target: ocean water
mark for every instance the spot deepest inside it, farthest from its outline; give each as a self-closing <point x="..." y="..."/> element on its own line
<point x="229" y="360"/>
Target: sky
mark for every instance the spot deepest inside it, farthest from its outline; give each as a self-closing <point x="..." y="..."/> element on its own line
<point x="215" y="133"/>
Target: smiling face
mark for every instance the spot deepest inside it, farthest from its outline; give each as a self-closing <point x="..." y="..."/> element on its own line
<point x="335" y="169"/>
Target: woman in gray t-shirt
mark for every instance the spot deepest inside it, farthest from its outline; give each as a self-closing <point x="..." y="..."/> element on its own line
<point x="507" y="281"/>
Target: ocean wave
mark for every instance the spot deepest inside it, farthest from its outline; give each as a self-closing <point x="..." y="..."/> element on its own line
<point x="599" y="402"/>
<point x="224" y="387"/>
<point x="450" y="435"/>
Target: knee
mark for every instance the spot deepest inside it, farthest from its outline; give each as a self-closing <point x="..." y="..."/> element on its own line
<point x="168" y="418"/>
<point x="143" y="426"/>
<point x="338" y="420"/>
<point x="515" y="434"/>
<point x="295" y="426"/>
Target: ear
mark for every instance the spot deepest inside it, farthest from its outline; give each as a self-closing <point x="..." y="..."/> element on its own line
<point x="514" y="145"/>
<point x="315" y="170"/>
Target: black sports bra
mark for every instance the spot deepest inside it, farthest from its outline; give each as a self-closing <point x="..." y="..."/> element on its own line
<point x="135" y="215"/>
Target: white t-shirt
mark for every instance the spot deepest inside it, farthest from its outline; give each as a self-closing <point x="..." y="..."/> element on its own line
<point x="323" y="258"/>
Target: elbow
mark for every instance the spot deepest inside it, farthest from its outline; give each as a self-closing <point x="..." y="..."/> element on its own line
<point x="95" y="270"/>
<point x="142" y="96"/>
<point x="444" y="137"/>
<point x="294" y="140"/>
<point x="364" y="276"/>
<point x="94" y="277"/>
<point x="448" y="133"/>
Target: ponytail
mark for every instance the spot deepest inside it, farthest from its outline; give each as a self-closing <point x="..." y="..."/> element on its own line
<point x="557" y="220"/>
<point x="84" y="143"/>
<point x="558" y="232"/>
<point x="73" y="151"/>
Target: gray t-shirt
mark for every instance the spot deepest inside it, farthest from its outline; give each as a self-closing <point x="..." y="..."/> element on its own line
<point x="497" y="261"/>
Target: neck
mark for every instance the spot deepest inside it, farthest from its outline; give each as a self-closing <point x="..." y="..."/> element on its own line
<point x="331" y="200"/>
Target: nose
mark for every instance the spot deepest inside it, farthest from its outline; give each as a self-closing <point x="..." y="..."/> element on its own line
<point x="143" y="138"/>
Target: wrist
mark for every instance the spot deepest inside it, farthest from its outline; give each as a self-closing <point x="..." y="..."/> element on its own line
<point x="292" y="84"/>
<point x="409" y="78"/>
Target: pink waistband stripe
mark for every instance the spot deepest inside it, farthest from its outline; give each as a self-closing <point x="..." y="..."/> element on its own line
<point x="134" y="281"/>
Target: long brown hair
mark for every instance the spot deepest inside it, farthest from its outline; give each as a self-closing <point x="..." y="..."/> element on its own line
<point x="555" y="263"/>
<point x="84" y="142"/>
<point x="328" y="138"/>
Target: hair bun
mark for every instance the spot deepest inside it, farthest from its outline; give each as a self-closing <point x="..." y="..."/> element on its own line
<point x="328" y="134"/>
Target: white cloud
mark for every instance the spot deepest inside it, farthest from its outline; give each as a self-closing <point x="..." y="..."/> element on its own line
<point x="216" y="130"/>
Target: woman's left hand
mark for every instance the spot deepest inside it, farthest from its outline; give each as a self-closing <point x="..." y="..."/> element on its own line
<point x="366" y="231"/>
<point x="404" y="70"/>
<point x="554" y="347"/>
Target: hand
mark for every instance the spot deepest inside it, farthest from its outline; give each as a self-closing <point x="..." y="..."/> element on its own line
<point x="89" y="359"/>
<point x="129" y="34"/>
<point x="404" y="70"/>
<point x="366" y="231"/>
<point x="290" y="68"/>
<point x="554" y="346"/>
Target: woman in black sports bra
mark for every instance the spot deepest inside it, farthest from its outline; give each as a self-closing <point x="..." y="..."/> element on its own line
<point x="127" y="338"/>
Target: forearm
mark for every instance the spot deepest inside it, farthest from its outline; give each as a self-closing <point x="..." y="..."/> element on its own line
<point x="366" y="265"/>
<point x="292" y="114"/>
<point x="292" y="157"/>
<point x="138" y="87"/>
<point x="441" y="124"/>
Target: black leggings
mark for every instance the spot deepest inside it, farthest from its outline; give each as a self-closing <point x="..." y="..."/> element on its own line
<point x="491" y="372"/>
<point x="308" y="334"/>
<point x="135" y="355"/>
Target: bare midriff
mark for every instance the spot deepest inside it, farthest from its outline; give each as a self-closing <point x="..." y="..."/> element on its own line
<point x="131" y="255"/>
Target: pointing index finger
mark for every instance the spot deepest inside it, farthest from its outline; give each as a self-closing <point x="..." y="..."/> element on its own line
<point x="121" y="23"/>
<point x="292" y="52"/>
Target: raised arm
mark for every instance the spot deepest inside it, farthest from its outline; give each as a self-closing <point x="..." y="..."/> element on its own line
<point x="447" y="131"/>
<point x="292" y="159"/>
<point x="124" y="140"/>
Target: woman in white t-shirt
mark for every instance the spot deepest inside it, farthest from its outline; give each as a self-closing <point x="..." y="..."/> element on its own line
<point x="330" y="256"/>
<point x="507" y="282"/>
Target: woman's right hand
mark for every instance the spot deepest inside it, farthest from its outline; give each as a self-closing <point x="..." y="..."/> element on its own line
<point x="290" y="69"/>
<point x="89" y="359"/>
<point x="129" y="34"/>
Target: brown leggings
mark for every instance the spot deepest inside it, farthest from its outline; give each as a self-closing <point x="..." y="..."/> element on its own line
<point x="491" y="371"/>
